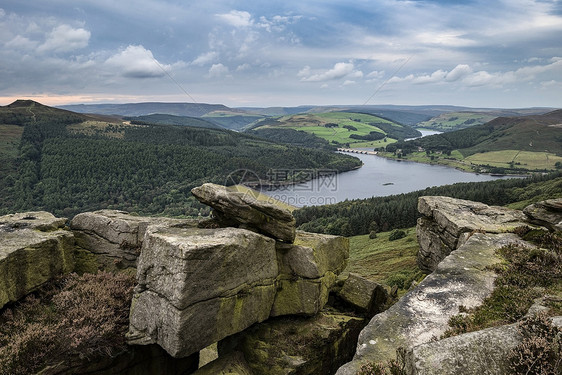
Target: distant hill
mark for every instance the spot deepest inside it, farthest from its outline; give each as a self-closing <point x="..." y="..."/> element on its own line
<point x="505" y="144"/>
<point x="148" y="108"/>
<point x="162" y="119"/>
<point x="346" y="129"/>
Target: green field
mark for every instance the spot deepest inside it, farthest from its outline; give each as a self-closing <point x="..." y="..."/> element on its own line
<point x="521" y="159"/>
<point x="384" y="261"/>
<point x="456" y="120"/>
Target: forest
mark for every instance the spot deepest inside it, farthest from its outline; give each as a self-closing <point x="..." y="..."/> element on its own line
<point x="149" y="170"/>
<point x="362" y="216"/>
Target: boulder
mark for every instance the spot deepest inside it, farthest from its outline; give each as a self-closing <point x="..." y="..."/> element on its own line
<point x="232" y="208"/>
<point x="32" y="252"/>
<point x="229" y="364"/>
<point x="197" y="286"/>
<point x="364" y="295"/>
<point x="307" y="272"/>
<point x="116" y="236"/>
<point x="474" y="353"/>
<point x="546" y="213"/>
<point x="463" y="278"/>
<point x="448" y="222"/>
<point x="297" y="345"/>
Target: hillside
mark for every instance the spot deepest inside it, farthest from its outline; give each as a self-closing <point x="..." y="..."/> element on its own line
<point x="65" y="162"/>
<point x="342" y="128"/>
<point x="161" y="119"/>
<point x="148" y="108"/>
<point x="505" y="144"/>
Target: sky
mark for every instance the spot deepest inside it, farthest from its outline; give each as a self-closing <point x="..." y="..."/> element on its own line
<point x="478" y="53"/>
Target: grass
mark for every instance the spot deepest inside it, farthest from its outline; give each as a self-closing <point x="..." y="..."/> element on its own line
<point x="523" y="159"/>
<point x="456" y="120"/>
<point x="92" y="127"/>
<point x="537" y="192"/>
<point x="374" y="144"/>
<point x="387" y="262"/>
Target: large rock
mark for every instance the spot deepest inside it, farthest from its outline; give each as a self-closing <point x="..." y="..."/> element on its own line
<point x="475" y="353"/>
<point x="297" y="345"/>
<point x="307" y="272"/>
<point x="363" y="294"/>
<point x="236" y="208"/>
<point x="116" y="236"/>
<point x="463" y="278"/>
<point x="197" y="286"/>
<point x="448" y="222"/>
<point x="32" y="252"/>
<point x="547" y="213"/>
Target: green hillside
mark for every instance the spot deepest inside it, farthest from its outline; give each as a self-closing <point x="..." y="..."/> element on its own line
<point x="163" y="119"/>
<point x="456" y="120"/>
<point x="66" y="163"/>
<point x="350" y="129"/>
<point x="505" y="144"/>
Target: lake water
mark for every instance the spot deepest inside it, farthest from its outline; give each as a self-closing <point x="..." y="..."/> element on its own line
<point x="377" y="177"/>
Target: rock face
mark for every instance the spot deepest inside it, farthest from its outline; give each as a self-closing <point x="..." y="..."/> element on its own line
<point x="33" y="250"/>
<point x="307" y="272"/>
<point x="240" y="209"/>
<point x="365" y="295"/>
<point x="447" y="223"/>
<point x="474" y="353"/>
<point x="547" y="213"/>
<point x="462" y="278"/>
<point x="115" y="236"/>
<point x="297" y="345"/>
<point x="197" y="286"/>
<point x="230" y="364"/>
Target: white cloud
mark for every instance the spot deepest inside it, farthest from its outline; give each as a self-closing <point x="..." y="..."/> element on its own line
<point x="243" y="67"/>
<point x="2" y="12"/>
<point x="22" y="43"/>
<point x="205" y="58"/>
<point x="348" y="82"/>
<point x="64" y="38"/>
<point x="136" y="62"/>
<point x="375" y="74"/>
<point x="237" y="18"/>
<point x="458" y="72"/>
<point x="339" y="70"/>
<point x="218" y="70"/>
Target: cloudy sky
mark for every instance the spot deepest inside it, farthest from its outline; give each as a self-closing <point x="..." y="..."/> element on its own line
<point x="486" y="53"/>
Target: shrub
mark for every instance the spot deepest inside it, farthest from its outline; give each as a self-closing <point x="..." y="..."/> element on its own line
<point x="373" y="235"/>
<point x="76" y="318"/>
<point x="396" y="235"/>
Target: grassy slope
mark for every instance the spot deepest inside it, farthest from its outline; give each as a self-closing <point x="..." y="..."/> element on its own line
<point x="384" y="261"/>
<point x="456" y="120"/>
<point x="315" y="124"/>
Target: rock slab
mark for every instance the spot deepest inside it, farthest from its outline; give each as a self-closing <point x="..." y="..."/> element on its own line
<point x="447" y="223"/>
<point x="462" y="278"/>
<point x="365" y="295"/>
<point x="32" y="251"/>
<point x="547" y="213"/>
<point x="242" y="209"/>
<point x="197" y="286"/>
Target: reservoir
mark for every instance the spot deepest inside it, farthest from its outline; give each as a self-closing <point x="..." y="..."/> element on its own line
<point x="377" y="177"/>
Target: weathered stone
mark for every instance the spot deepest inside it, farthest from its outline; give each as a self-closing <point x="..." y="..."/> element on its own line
<point x="297" y="345"/>
<point x="115" y="236"/>
<point x="447" y="219"/>
<point x="231" y="363"/>
<point x="197" y="286"/>
<point x="475" y="353"/>
<point x="136" y="360"/>
<point x="463" y="278"/>
<point x="30" y="257"/>
<point x="233" y="207"/>
<point x="365" y="295"/>
<point x="38" y="220"/>
<point x="308" y="270"/>
<point x="546" y="213"/>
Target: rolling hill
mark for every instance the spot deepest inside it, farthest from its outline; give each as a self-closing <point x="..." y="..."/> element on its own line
<point x="512" y="144"/>
<point x="148" y="108"/>
<point x="162" y="119"/>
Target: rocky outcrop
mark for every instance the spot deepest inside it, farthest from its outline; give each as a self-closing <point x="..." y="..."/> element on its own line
<point x="448" y="222"/>
<point x="365" y="295"/>
<point x="297" y="345"/>
<point x="475" y="353"/>
<point x="547" y="213"/>
<point x="307" y="272"/>
<point x="197" y="286"/>
<point x="462" y="279"/>
<point x="33" y="250"/>
<point x="116" y="236"/>
<point x="233" y="208"/>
